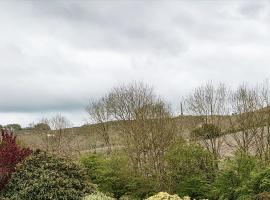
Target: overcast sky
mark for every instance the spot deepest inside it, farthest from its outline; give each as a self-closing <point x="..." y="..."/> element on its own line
<point x="56" y="55"/>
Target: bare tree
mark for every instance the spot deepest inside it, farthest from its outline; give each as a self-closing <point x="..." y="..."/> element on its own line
<point x="60" y="138"/>
<point x="209" y="103"/>
<point x="145" y="124"/>
<point x="246" y="119"/>
<point x="99" y="114"/>
<point x="59" y="124"/>
<point x="262" y="139"/>
<point x="44" y="133"/>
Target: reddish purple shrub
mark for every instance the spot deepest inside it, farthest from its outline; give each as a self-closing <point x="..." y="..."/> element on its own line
<point x="10" y="155"/>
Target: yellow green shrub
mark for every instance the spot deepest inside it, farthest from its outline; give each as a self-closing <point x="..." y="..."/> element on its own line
<point x="166" y="196"/>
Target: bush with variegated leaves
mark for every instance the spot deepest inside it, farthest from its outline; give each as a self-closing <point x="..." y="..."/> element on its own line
<point x="97" y="196"/>
<point x="166" y="196"/>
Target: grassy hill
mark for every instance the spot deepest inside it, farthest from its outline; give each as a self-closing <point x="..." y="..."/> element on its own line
<point x="86" y="137"/>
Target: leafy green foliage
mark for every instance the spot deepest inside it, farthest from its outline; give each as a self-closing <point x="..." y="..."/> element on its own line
<point x="190" y="170"/>
<point x="233" y="181"/>
<point x="113" y="175"/>
<point x="44" y="176"/>
<point x="261" y="181"/>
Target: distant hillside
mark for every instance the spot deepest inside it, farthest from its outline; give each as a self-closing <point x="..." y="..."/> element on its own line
<point x="88" y="139"/>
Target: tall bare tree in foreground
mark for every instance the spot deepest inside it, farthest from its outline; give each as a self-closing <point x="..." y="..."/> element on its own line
<point x="99" y="114"/>
<point x="209" y="103"/>
<point x="145" y="124"/>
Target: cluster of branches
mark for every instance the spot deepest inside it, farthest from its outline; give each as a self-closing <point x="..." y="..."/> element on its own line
<point x="244" y="113"/>
<point x="145" y="124"/>
<point x="57" y="136"/>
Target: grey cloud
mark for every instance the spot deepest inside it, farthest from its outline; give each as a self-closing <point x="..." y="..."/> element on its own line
<point x="116" y="25"/>
<point x="252" y="9"/>
<point x="56" y="55"/>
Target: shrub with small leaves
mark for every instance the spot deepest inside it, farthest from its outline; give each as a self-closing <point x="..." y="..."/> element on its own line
<point x="113" y="175"/>
<point x="128" y="197"/>
<point x="43" y="176"/>
<point x="98" y="196"/>
<point x="166" y="196"/>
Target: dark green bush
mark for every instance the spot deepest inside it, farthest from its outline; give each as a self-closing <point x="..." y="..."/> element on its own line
<point x="43" y="176"/>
